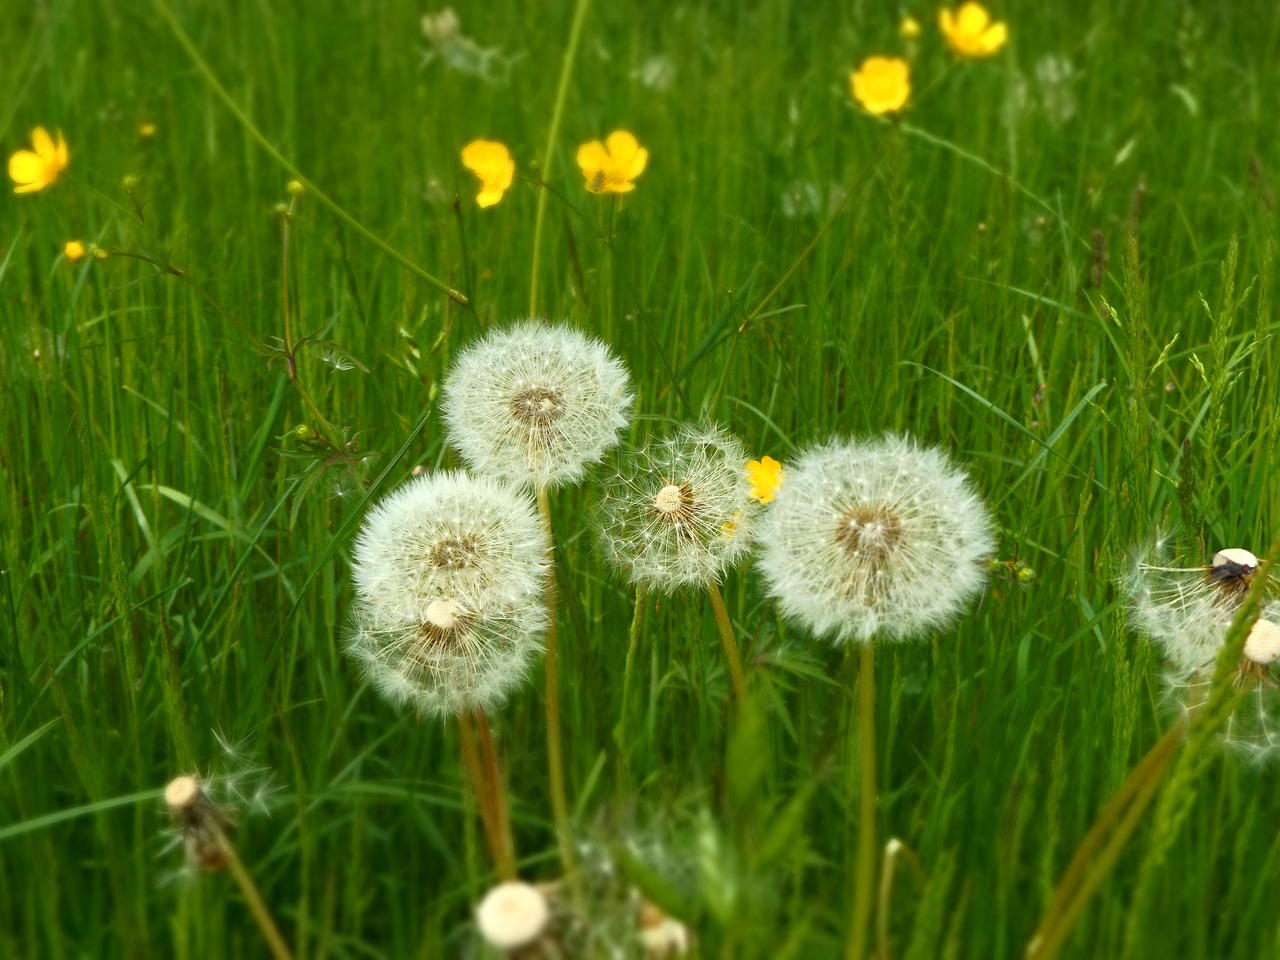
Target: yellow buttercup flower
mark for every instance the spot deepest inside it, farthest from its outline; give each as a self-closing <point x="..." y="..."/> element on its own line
<point x="492" y="163"/>
<point x="765" y="478"/>
<point x="969" y="32"/>
<point x="146" y="129"/>
<point x="881" y="84"/>
<point x="75" y="251"/>
<point x="611" y="166"/>
<point x="36" y="169"/>
<point x="909" y="28"/>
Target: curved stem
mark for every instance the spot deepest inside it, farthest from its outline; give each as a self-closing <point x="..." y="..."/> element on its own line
<point x="162" y="8"/>
<point x="562" y="91"/>
<point x="270" y="932"/>
<point x="865" y="871"/>
<point x="489" y="816"/>
<point x="620" y="737"/>
<point x="730" y="644"/>
<point x="498" y="798"/>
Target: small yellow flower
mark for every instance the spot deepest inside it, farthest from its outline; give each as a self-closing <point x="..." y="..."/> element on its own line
<point x="765" y="478"/>
<point x="75" y="251"/>
<point x="492" y="163"/>
<point x="910" y="28"/>
<point x="35" y="170"/>
<point x="294" y="188"/>
<point x="146" y="130"/>
<point x="970" y="32"/>
<point x="881" y="84"/>
<point x="611" y="166"/>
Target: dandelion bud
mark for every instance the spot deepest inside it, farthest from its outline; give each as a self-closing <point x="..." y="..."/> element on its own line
<point x="513" y="915"/>
<point x="879" y="538"/>
<point x="74" y="251"/>
<point x="129" y="183"/>
<point x="294" y="188"/>
<point x="304" y="431"/>
<point x="1025" y="574"/>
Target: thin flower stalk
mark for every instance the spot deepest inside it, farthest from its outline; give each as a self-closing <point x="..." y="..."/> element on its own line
<point x="270" y="932"/>
<point x="482" y="769"/>
<point x="865" y="868"/>
<point x="725" y="626"/>
<point x="633" y="641"/>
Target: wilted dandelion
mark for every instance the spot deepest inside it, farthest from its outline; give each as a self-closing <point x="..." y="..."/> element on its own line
<point x="536" y="403"/>
<point x="513" y="915"/>
<point x="881" y="84"/>
<point x="39" y="167"/>
<point x="969" y="31"/>
<point x="492" y="163"/>
<point x="875" y="539"/>
<point x="610" y="167"/>
<point x="449" y="572"/>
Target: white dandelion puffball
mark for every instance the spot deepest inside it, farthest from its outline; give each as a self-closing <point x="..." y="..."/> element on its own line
<point x="875" y="539"/>
<point x="512" y="915"/>
<point x="536" y="403"/>
<point x="1186" y="609"/>
<point x="679" y="513"/>
<point x="449" y="572"/>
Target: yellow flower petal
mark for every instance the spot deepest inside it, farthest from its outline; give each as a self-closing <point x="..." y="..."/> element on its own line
<point x="765" y="478"/>
<point x="995" y="38"/>
<point x="43" y="143"/>
<point x="26" y="167"/>
<point x="592" y="157"/>
<point x="62" y="155"/>
<point x="972" y="19"/>
<point x="492" y="163"/>
<point x="881" y="84"/>
<point x="489" y="196"/>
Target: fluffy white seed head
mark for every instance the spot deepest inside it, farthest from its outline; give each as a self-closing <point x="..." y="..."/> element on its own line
<point x="536" y="403"/>
<point x="874" y="539"/>
<point x="1263" y="643"/>
<point x="449" y="572"/>
<point x="679" y="513"/>
<point x="513" y="915"/>
<point x="1186" y="609"/>
<point x="181" y="794"/>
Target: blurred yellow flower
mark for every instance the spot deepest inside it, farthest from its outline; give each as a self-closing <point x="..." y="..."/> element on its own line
<point x="765" y="478"/>
<point x="146" y="130"/>
<point x="611" y="166"/>
<point x="492" y="163"/>
<point x="970" y="33"/>
<point x="910" y="28"/>
<point x="36" y="169"/>
<point x="74" y="251"/>
<point x="881" y="84"/>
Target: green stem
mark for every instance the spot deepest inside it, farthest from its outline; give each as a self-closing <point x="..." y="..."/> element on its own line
<point x="270" y="932"/>
<point x="555" y="760"/>
<point x="865" y="871"/>
<point x="562" y="92"/>
<point x="730" y="644"/>
<point x="489" y="816"/>
<point x="162" y="8"/>
<point x="620" y="734"/>
<point x="498" y="798"/>
<point x="1149" y="769"/>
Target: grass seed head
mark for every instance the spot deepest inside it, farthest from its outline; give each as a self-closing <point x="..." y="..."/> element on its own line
<point x="879" y="538"/>
<point x="536" y="403"/>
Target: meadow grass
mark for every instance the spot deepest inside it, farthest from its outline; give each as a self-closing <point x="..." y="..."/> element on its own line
<point x="1065" y="283"/>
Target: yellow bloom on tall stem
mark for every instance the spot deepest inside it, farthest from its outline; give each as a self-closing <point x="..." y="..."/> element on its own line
<point x="969" y="32"/>
<point x="765" y="478"/>
<point x="36" y="169"/>
<point x="881" y="84"/>
<point x="611" y="166"/>
<point x="492" y="163"/>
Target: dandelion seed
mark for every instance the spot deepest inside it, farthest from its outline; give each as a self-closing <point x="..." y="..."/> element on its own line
<point x="513" y="915"/>
<point x="448" y="571"/>
<point x="881" y="84"/>
<point x="969" y="32"/>
<point x="610" y="167"/>
<point x="38" y="168"/>
<point x="879" y="538"/>
<point x="536" y="403"/>
<point x="679" y="513"/>
<point x="492" y="163"/>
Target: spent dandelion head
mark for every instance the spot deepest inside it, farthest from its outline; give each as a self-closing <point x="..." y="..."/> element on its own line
<point x="536" y="403"/>
<point x="610" y="167"/>
<point x="881" y="84"/>
<point x="513" y="915"/>
<point x="492" y="163"/>
<point x="38" y="167"/>
<point x="875" y="538"/>
<point x="970" y="32"/>
<point x="679" y="513"/>
<point x="449" y="575"/>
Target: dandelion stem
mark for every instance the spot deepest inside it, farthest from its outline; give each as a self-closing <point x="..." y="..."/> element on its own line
<point x="730" y="644"/>
<point x="270" y="932"/>
<point x="620" y="738"/>
<point x="162" y="8"/>
<point x="562" y="91"/>
<point x="1054" y="923"/>
<point x="865" y="870"/>
<point x="489" y="815"/>
<point x="555" y="760"/>
<point x="498" y="799"/>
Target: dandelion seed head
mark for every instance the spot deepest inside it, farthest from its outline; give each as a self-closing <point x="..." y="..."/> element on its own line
<point x="536" y="403"/>
<point x="869" y="539"/>
<point x="1263" y="643"/>
<point x="513" y="915"/>
<point x="679" y="513"/>
<point x="181" y="794"/>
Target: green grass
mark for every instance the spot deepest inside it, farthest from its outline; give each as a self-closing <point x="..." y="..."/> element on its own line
<point x="175" y="558"/>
